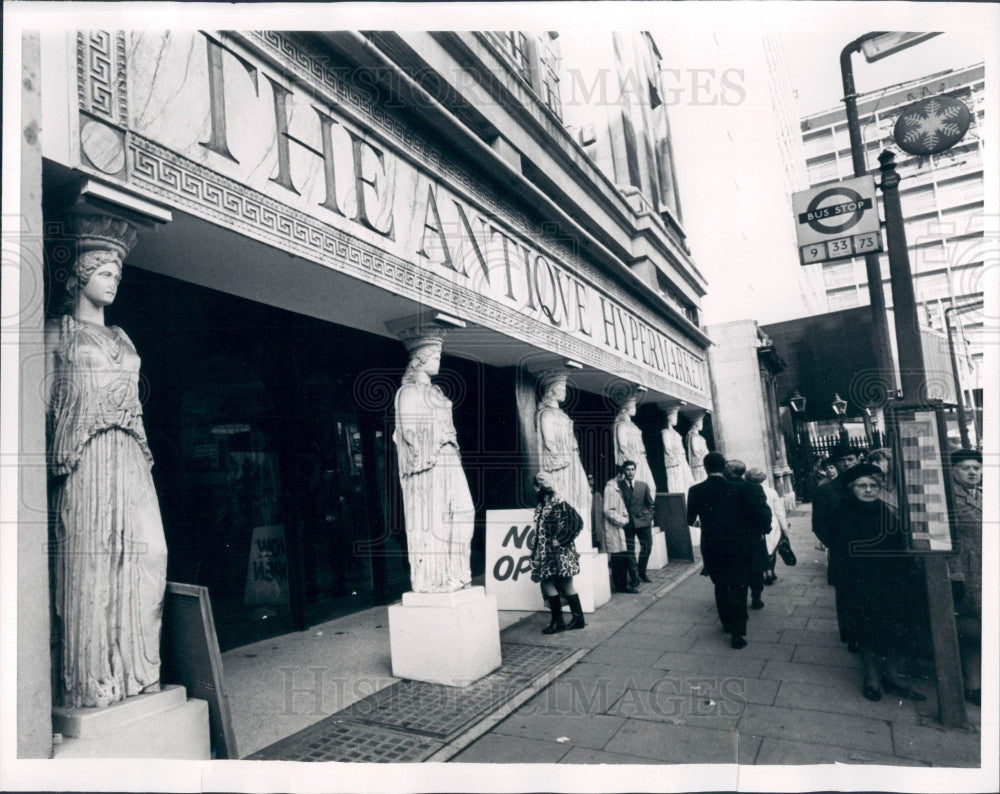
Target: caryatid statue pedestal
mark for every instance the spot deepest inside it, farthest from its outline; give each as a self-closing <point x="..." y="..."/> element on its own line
<point x="165" y="724"/>
<point x="445" y="638"/>
<point x="445" y="631"/>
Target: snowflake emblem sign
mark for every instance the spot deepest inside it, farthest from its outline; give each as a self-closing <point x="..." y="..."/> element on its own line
<point x="931" y="125"/>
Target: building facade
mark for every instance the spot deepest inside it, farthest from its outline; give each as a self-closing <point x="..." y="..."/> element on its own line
<point x="942" y="201"/>
<point x="298" y="199"/>
<point x="745" y="366"/>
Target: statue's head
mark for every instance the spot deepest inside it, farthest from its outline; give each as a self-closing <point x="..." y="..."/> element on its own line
<point x="553" y="385"/>
<point x="84" y="267"/>
<point x="425" y="353"/>
<point x="628" y="407"/>
<point x="672" y="414"/>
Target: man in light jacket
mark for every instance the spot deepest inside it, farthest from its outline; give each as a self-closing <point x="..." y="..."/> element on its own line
<point x="615" y="520"/>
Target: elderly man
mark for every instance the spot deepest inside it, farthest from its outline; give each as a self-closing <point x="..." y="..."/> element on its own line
<point x="967" y="567"/>
<point x="825" y="502"/>
<point x="735" y="469"/>
<point x="729" y="523"/>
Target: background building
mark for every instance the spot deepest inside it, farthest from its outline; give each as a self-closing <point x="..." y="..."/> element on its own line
<point x="942" y="199"/>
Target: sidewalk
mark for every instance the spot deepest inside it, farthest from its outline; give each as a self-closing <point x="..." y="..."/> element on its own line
<point x="650" y="680"/>
<point x="665" y="687"/>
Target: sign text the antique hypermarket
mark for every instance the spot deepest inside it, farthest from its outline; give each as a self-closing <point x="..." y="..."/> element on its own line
<point x="211" y="99"/>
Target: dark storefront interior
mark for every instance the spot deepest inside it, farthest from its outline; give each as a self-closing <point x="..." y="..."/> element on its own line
<point x="271" y="433"/>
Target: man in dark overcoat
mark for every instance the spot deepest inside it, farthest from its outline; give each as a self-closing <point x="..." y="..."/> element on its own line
<point x="729" y="523"/>
<point x="639" y="503"/>
<point x="759" y="558"/>
<point x="827" y="498"/>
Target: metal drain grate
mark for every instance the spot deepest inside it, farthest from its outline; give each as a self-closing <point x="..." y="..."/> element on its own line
<point x="339" y="740"/>
<point x="442" y="711"/>
<point x="410" y="720"/>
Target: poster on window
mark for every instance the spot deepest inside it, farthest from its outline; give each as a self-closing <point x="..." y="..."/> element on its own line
<point x="923" y="479"/>
<point x="267" y="567"/>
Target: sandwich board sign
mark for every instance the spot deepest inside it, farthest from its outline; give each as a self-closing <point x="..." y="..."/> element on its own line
<point x="837" y="221"/>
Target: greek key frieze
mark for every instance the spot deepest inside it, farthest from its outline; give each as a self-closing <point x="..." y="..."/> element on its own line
<point x="101" y="82"/>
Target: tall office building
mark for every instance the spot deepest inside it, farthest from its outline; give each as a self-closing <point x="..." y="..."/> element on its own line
<point x="942" y="198"/>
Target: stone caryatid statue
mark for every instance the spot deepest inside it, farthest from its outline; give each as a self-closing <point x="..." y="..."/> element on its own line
<point x="111" y="556"/>
<point x="675" y="458"/>
<point x="437" y="505"/>
<point x="629" y="444"/>
<point x="697" y="448"/>
<point x="559" y="454"/>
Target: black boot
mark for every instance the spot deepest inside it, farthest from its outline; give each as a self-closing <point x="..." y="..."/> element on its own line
<point x="574" y="606"/>
<point x="557" y="624"/>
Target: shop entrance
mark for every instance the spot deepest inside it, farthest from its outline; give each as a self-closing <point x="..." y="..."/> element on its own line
<point x="274" y="477"/>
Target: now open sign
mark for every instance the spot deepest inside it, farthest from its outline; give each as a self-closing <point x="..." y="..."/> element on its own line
<point x="509" y="534"/>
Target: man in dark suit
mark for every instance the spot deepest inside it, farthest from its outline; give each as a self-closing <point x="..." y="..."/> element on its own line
<point x="639" y="503"/>
<point x="729" y="523"/>
<point x="827" y="498"/>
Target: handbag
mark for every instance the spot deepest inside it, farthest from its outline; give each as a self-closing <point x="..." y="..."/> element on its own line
<point x="785" y="551"/>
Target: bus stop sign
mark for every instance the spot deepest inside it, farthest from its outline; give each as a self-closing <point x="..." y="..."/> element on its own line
<point x="838" y="221"/>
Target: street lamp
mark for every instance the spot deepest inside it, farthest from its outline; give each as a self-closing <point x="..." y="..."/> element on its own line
<point x="839" y="406"/>
<point x="798" y="405"/>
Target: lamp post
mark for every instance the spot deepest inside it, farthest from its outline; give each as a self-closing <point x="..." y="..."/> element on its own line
<point x="801" y="451"/>
<point x="839" y="406"/>
<point x="798" y="406"/>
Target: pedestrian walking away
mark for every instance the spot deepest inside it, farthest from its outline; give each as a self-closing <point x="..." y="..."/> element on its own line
<point x="639" y="503"/>
<point x="778" y="536"/>
<point x="554" y="559"/>
<point x="729" y="522"/>
<point x="735" y="469"/>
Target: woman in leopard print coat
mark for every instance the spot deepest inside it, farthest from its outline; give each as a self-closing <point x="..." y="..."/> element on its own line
<point x="554" y="559"/>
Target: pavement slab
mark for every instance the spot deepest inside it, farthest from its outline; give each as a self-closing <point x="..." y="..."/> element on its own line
<point x="937" y="746"/>
<point x="592" y="731"/>
<point x="814" y="638"/>
<point x="680" y="705"/>
<point x="583" y="755"/>
<point x="822" y="624"/>
<point x="844" y="701"/>
<point x="575" y="697"/>
<point x="684" y="744"/>
<point x="713" y="632"/>
<point x="500" y="748"/>
<point x="818" y="674"/>
<point x="786" y="751"/>
<point x="755" y="649"/>
<point x="733" y="664"/>
<point x="840" y="730"/>
<point x="660" y="628"/>
<point x="826" y="654"/>
<point x="613" y="655"/>
<point x="640" y="639"/>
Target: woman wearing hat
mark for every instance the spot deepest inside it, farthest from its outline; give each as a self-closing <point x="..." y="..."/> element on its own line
<point x="872" y="580"/>
<point x="554" y="558"/>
